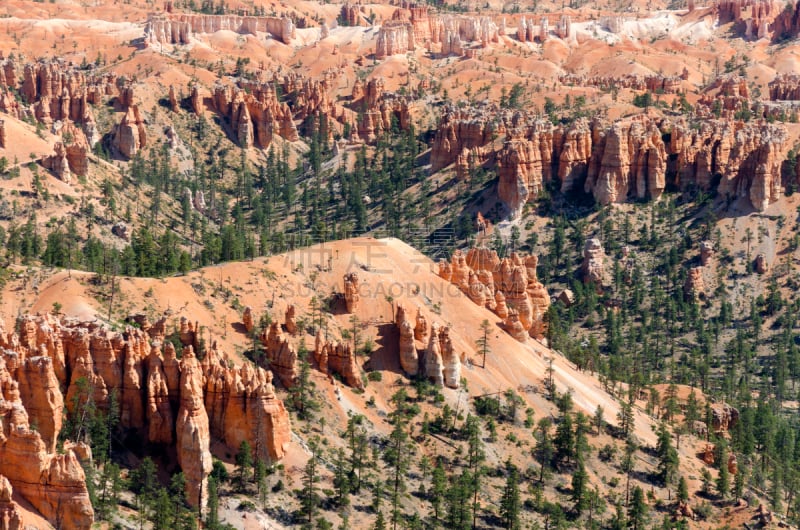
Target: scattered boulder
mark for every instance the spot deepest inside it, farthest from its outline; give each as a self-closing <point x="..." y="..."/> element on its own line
<point x="120" y="230"/>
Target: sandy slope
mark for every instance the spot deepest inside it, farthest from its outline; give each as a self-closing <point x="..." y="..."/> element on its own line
<point x="386" y="267"/>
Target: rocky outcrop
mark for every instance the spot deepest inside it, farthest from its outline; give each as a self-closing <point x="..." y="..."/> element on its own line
<point x="247" y="319"/>
<point x="78" y="147"/>
<point x="350" y="15"/>
<point x="654" y="83"/>
<point x="179" y="28"/>
<point x="634" y="157"/>
<point x="281" y="355"/>
<point x="701" y="280"/>
<point x="351" y="295"/>
<point x="242" y="406"/>
<point x="195" y="101"/>
<point x="159" y="406"/>
<point x="785" y="87"/>
<point x="53" y="483"/>
<point x="58" y="163"/>
<point x="338" y="358"/>
<point x="451" y="362"/>
<point x="10" y="513"/>
<point x="633" y="162"/>
<point x="394" y="38"/>
<point x="706" y="252"/>
<point x="761" y="265"/>
<point x="172" y="99"/>
<point x="482" y="276"/>
<point x="723" y="417"/>
<point x="165" y="400"/>
<point x="434" y="363"/>
<point x="420" y="326"/>
<point x="694" y="286"/>
<point x="193" y="436"/>
<point x="564" y="27"/>
<point x="593" y="267"/>
<point x="130" y="136"/>
<point x="256" y="115"/>
<point x="41" y="397"/>
<point x="55" y="90"/>
<point x="290" y="320"/>
<point x="3" y="134"/>
<point x="514" y="327"/>
<point x="407" y="349"/>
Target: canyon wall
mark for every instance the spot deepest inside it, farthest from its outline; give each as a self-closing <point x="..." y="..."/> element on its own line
<point x="446" y="33"/>
<point x="178" y="28"/>
<point x="633" y="157"/>
<point x="50" y="362"/>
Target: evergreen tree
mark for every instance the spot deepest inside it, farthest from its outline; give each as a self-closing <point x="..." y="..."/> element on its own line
<point x="212" y="508"/>
<point x="723" y="479"/>
<point x="580" y="480"/>
<point x="309" y="499"/>
<point x="475" y="456"/>
<point x="545" y="450"/>
<point x="668" y="460"/>
<point x="438" y="489"/>
<point x="510" y="501"/>
<point x="244" y="464"/>
<point x="398" y="453"/>
<point x="565" y="440"/>
<point x="683" y="490"/>
<point x="637" y="511"/>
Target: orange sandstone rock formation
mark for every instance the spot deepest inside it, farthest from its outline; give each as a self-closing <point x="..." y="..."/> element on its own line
<point x="482" y="276"/>
<point x="130" y="135"/>
<point x="629" y="158"/>
<point x="10" y="514"/>
<point x="336" y="357"/>
<point x="193" y="436"/>
<point x="178" y="28"/>
<point x="351" y="295"/>
<point x="168" y="400"/>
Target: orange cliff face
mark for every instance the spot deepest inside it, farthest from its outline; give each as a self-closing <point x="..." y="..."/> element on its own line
<point x="169" y="400"/>
<point x="627" y="158"/>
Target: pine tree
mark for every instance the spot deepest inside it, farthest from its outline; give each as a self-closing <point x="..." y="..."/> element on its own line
<point x="683" y="490"/>
<point x="544" y="448"/>
<point x="475" y="456"/>
<point x="723" y="479"/>
<point x="309" y="499"/>
<point x="625" y="418"/>
<point x="341" y="481"/>
<point x="668" y="459"/>
<point x="212" y="508"/>
<point x="483" y="342"/>
<point x="397" y="454"/>
<point x="438" y="489"/>
<point x="302" y="391"/>
<point x="244" y="463"/>
<point x="579" y="481"/>
<point x="565" y="440"/>
<point x="357" y="443"/>
<point x="599" y="422"/>
<point x="510" y="502"/>
<point x="637" y="511"/>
